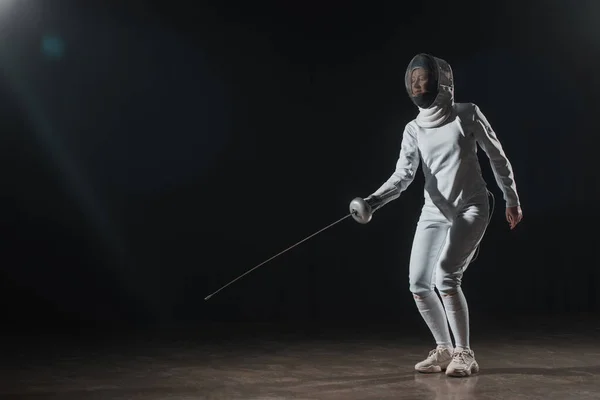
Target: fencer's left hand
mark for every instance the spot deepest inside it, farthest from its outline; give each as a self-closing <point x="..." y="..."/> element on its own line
<point x="514" y="215"/>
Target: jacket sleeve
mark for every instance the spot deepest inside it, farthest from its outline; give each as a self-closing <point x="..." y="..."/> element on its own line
<point x="501" y="166"/>
<point x="406" y="167"/>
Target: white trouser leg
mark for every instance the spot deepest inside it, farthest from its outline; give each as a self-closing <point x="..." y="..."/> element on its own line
<point x="428" y="244"/>
<point x="464" y="236"/>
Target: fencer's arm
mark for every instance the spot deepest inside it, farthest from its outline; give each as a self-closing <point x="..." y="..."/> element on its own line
<point x="404" y="174"/>
<point x="503" y="171"/>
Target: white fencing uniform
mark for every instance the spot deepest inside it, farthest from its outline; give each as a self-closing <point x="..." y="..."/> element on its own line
<point x="443" y="138"/>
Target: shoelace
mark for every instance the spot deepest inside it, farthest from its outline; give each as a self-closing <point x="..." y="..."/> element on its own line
<point x="434" y="353"/>
<point x="460" y="356"/>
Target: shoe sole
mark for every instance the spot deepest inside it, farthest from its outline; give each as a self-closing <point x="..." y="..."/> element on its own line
<point x="434" y="369"/>
<point x="462" y="374"/>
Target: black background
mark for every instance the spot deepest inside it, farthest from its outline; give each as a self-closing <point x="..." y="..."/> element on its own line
<point x="152" y="152"/>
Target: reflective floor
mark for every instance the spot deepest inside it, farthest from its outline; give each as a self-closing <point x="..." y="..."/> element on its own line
<point x="515" y="364"/>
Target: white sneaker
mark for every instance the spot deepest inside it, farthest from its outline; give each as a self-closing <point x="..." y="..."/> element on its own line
<point x="463" y="363"/>
<point x="437" y="360"/>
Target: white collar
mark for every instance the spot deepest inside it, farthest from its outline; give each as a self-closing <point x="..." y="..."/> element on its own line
<point x="433" y="116"/>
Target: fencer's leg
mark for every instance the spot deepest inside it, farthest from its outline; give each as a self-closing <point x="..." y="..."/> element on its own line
<point x="427" y="244"/>
<point x="457" y="311"/>
<point x="432" y="312"/>
<point x="463" y="238"/>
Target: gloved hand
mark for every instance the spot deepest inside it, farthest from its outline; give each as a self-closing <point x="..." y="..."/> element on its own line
<point x="362" y="209"/>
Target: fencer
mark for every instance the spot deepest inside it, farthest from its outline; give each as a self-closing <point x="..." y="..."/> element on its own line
<point x="443" y="139"/>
